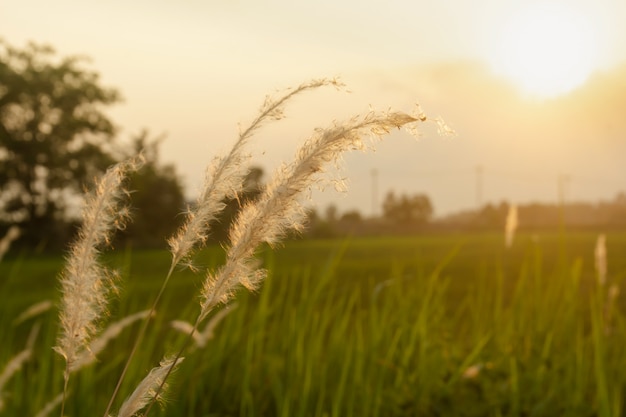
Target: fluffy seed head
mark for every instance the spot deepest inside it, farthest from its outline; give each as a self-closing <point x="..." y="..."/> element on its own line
<point x="225" y="176"/>
<point x="147" y="389"/>
<point x="85" y="282"/>
<point x="511" y="225"/>
<point x="279" y="208"/>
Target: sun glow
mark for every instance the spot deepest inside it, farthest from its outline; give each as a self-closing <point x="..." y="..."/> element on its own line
<point x="546" y="50"/>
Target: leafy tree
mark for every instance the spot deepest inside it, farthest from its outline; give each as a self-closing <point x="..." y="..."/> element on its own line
<point x="54" y="136"/>
<point x="332" y="213"/>
<point x="157" y="199"/>
<point x="415" y="209"/>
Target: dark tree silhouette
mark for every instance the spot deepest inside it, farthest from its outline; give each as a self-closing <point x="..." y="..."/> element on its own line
<point x="54" y="136"/>
<point x="415" y="209"/>
<point x="157" y="199"/>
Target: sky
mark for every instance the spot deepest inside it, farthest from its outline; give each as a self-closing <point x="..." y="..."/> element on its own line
<point x="535" y="90"/>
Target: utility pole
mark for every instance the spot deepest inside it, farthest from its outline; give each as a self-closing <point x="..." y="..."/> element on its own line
<point x="562" y="185"/>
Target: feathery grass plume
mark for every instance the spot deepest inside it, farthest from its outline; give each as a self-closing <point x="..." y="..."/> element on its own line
<point x="97" y="345"/>
<point x="600" y="259"/>
<point x="33" y="311"/>
<point x="10" y="369"/>
<point x="224" y="179"/>
<point x="278" y="209"/>
<point x="202" y="337"/>
<point x="5" y="243"/>
<point x="511" y="225"/>
<point x="152" y="386"/>
<point x="225" y="176"/>
<point x="85" y="283"/>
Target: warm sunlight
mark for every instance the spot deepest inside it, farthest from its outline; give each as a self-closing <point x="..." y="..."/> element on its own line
<point x="546" y="50"/>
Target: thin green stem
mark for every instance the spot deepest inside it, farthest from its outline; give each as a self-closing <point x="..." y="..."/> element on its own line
<point x="139" y="338"/>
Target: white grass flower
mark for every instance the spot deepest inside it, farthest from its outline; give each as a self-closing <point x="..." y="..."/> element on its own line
<point x="85" y="283"/>
<point x="600" y="259"/>
<point x="511" y="225"/>
<point x="5" y="243"/>
<point x="88" y="356"/>
<point x="10" y="369"/>
<point x="278" y="209"/>
<point x="225" y="176"/>
<point x="265" y="220"/>
<point x="224" y="179"/>
<point x="152" y="385"/>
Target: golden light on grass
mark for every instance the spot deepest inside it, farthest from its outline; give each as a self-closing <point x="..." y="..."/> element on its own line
<point x="511" y="226"/>
<point x="547" y="49"/>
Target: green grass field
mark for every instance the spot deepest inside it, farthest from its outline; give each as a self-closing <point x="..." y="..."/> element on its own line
<point x="435" y="326"/>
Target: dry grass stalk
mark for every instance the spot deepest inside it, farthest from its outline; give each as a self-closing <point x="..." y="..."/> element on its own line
<point x="279" y="208"/>
<point x="150" y="388"/>
<point x="85" y="283"/>
<point x="224" y="179"/>
<point x="511" y="225"/>
<point x="225" y="176"/>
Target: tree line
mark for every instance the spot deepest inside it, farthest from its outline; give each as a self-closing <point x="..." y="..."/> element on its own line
<point x="55" y="138"/>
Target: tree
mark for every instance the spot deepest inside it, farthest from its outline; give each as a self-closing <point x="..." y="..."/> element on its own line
<point x="415" y="209"/>
<point x="157" y="199"/>
<point x="54" y="136"/>
<point x="352" y="216"/>
<point x="332" y="213"/>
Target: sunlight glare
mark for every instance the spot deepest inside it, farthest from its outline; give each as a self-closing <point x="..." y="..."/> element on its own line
<point x="546" y="50"/>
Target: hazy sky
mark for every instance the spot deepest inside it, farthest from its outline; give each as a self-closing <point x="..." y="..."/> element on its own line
<point x="534" y="90"/>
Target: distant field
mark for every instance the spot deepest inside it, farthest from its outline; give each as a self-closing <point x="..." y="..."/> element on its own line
<point x="431" y="325"/>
